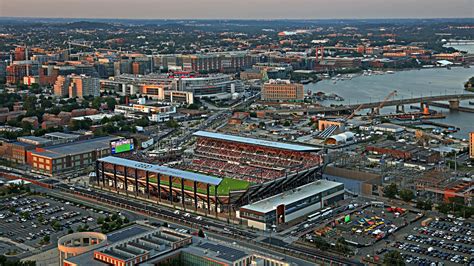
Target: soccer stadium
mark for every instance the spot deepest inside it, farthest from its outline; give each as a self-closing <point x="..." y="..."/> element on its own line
<point x="224" y="172"/>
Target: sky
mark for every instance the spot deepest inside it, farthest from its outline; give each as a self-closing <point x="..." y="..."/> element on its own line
<point x="238" y="9"/>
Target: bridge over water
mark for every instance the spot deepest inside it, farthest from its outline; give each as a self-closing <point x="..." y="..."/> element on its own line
<point x="453" y="100"/>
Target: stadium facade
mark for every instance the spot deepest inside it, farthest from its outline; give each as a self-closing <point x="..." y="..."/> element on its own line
<point x="226" y="172"/>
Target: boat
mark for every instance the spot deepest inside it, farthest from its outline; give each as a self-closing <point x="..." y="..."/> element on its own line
<point x="390" y="72"/>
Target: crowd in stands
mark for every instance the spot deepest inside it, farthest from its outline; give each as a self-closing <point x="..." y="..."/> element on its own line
<point x="253" y="163"/>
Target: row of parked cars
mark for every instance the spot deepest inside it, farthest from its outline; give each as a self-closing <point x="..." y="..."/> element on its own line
<point x="433" y="252"/>
<point x="445" y="235"/>
<point x="410" y="259"/>
<point x="455" y="227"/>
<point x="441" y="244"/>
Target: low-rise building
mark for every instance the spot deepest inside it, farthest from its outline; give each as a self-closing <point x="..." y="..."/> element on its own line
<point x="282" y="90"/>
<point x="155" y="113"/>
<point x="407" y="152"/>
<point x="76" y="155"/>
<point x="291" y="205"/>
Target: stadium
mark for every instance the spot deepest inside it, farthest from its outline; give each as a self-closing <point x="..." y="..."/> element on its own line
<point x="224" y="172"/>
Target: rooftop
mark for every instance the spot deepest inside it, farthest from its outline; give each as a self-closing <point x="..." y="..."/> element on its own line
<point x="211" y="180"/>
<point x="61" y="135"/>
<point x="77" y="147"/>
<point x="217" y="252"/>
<point x="290" y="196"/>
<point x="259" y="142"/>
<point x="34" y="139"/>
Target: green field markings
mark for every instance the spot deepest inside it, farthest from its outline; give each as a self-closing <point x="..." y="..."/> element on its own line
<point x="227" y="185"/>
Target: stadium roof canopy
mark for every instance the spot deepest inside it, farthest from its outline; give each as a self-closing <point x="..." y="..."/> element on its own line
<point x="259" y="142"/>
<point x="162" y="170"/>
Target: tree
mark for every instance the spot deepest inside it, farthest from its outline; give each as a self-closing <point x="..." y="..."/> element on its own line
<point x="444" y="207"/>
<point x="424" y="204"/>
<point x="105" y="227"/>
<point x="100" y="220"/>
<point x="46" y="239"/>
<point x="56" y="225"/>
<point x="406" y="195"/>
<point x="201" y="233"/>
<point x="96" y="103"/>
<point x="172" y="123"/>
<point x="70" y="231"/>
<point x="341" y="246"/>
<point x="393" y="258"/>
<point x="390" y="191"/>
<point x="320" y="243"/>
<point x="111" y="102"/>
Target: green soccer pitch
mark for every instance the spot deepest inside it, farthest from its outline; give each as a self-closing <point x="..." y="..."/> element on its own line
<point x="227" y="185"/>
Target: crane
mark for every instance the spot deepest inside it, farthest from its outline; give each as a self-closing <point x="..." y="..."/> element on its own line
<point x="390" y="95"/>
<point x="354" y="112"/>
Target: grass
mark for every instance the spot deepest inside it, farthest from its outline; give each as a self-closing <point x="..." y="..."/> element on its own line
<point x="224" y="188"/>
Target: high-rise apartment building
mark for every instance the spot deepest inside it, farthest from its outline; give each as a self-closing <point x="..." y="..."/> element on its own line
<point x="77" y="86"/>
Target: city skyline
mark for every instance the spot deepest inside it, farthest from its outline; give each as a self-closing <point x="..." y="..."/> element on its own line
<point x="245" y="9"/>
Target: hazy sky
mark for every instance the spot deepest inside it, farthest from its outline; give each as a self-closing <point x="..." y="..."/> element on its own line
<point x="259" y="9"/>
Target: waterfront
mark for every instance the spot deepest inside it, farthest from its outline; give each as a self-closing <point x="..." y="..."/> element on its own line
<point x="412" y="83"/>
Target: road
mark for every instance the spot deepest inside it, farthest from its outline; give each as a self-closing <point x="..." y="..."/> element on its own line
<point x="220" y="230"/>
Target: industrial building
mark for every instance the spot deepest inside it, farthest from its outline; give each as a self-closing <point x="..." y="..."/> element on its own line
<point x="355" y="181"/>
<point x="292" y="204"/>
<point x="407" y="152"/>
<point x="282" y="90"/>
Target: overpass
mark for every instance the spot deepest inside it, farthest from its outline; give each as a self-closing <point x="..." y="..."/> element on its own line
<point x="453" y="100"/>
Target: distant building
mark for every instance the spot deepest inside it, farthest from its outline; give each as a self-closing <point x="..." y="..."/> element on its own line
<point x="471" y="145"/>
<point x="407" y="152"/>
<point x="155" y="113"/>
<point x="72" y="86"/>
<point x="355" y="181"/>
<point x="282" y="90"/>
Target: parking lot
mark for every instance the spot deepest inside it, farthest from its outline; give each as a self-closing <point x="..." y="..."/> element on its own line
<point x="442" y="239"/>
<point x="28" y="221"/>
<point x="366" y="226"/>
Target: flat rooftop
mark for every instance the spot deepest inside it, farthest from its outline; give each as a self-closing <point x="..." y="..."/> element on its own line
<point x="40" y="140"/>
<point x="217" y="252"/>
<point x="61" y="135"/>
<point x="77" y="147"/>
<point x="290" y="196"/>
<point x="211" y="180"/>
<point x="258" y="142"/>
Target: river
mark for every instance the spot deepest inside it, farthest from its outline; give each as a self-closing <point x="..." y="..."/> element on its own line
<point x="409" y="83"/>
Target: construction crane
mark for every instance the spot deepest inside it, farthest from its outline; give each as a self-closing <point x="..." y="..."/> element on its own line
<point x="377" y="110"/>
<point x="354" y="112"/>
